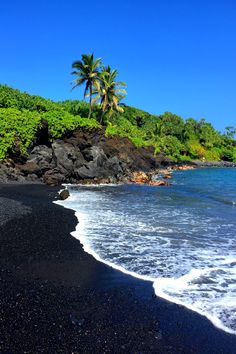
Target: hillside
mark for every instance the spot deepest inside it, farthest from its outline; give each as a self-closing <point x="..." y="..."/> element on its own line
<point x="55" y="141"/>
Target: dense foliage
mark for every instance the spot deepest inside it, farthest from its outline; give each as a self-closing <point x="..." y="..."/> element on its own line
<point x="17" y="130"/>
<point x="21" y="116"/>
<point x="180" y="139"/>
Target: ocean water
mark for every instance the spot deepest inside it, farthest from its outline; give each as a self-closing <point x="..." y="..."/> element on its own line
<point x="182" y="237"/>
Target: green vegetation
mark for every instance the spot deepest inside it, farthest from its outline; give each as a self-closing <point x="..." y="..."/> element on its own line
<point x="110" y="92"/>
<point x="17" y="130"/>
<point x="22" y="115"/>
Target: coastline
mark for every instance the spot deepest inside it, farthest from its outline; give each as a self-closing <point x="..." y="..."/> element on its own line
<point x="57" y="298"/>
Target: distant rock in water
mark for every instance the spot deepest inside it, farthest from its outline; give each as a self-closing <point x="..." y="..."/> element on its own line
<point x="160" y="182"/>
<point x="64" y="194"/>
<point x="147" y="178"/>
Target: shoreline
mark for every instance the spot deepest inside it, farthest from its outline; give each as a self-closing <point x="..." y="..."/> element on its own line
<point x="57" y="298"/>
<point x="144" y="278"/>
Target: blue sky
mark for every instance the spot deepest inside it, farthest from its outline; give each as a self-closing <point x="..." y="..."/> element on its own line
<point x="174" y="55"/>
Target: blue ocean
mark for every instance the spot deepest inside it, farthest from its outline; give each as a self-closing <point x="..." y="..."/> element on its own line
<point x="182" y="237"/>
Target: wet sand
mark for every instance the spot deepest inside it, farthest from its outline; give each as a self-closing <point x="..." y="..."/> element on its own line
<point x="55" y="298"/>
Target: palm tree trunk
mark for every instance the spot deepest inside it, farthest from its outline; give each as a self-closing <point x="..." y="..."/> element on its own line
<point x="102" y="115"/>
<point x="90" y="101"/>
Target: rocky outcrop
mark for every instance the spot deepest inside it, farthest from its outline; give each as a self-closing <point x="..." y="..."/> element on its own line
<point x="158" y="183"/>
<point x="42" y="156"/>
<point x="83" y="157"/>
<point x="214" y="164"/>
<point x="148" y="178"/>
<point x="98" y="164"/>
<point x="10" y="173"/>
<point x="30" y="167"/>
<point x="91" y="158"/>
<point x="140" y="177"/>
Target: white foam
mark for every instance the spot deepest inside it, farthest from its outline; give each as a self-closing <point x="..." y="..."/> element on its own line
<point x="79" y="235"/>
<point x="87" y="248"/>
<point x="107" y="232"/>
<point x="164" y="287"/>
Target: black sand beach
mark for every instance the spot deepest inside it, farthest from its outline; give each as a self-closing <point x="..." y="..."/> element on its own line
<point x="55" y="298"/>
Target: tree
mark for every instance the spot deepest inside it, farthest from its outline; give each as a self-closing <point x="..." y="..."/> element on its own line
<point x="208" y="137"/>
<point x="191" y="129"/>
<point x="230" y="132"/>
<point x="170" y="124"/>
<point x="87" y="72"/>
<point x="109" y="91"/>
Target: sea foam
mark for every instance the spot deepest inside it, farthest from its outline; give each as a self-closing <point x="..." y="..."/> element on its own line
<point x="187" y="253"/>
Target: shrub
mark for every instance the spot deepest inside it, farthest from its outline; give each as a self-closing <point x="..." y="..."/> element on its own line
<point x="126" y="129"/>
<point x="195" y="149"/>
<point x="12" y="98"/>
<point x="213" y="154"/>
<point x="60" y="123"/>
<point x="170" y="145"/>
<point x="17" y="130"/>
<point x="228" y="154"/>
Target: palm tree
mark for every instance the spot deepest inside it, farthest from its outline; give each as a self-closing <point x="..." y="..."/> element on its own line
<point x="87" y="71"/>
<point x="109" y="91"/>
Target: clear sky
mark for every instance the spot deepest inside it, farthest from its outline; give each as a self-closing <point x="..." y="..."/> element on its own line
<point x="174" y="55"/>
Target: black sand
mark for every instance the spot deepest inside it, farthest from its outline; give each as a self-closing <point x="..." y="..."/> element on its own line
<point x="55" y="298"/>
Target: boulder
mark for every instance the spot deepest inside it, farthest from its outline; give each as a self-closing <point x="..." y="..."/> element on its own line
<point x="53" y="177"/>
<point x="140" y="177"/>
<point x="80" y="161"/>
<point x="42" y="156"/>
<point x="95" y="153"/>
<point x="3" y="174"/>
<point x="167" y="176"/>
<point x="94" y="163"/>
<point x="8" y="173"/>
<point x="30" y="167"/>
<point x="64" y="194"/>
<point x="159" y="182"/>
<point x="63" y="155"/>
<point x="67" y="157"/>
<point x="184" y="167"/>
<point x="32" y="178"/>
<point x="98" y="165"/>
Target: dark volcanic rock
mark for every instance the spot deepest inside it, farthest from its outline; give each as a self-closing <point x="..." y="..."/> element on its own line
<point x="63" y="155"/>
<point x="10" y="174"/>
<point x="93" y="152"/>
<point x="30" y="167"/>
<point x="130" y="157"/>
<point x="42" y="156"/>
<point x="64" y="194"/>
<point x="32" y="178"/>
<point x="82" y="157"/>
<point x="98" y="164"/>
<point x="67" y="157"/>
<point x="3" y="174"/>
<point x="95" y="163"/>
<point x="114" y="166"/>
<point x="80" y="161"/>
<point x="54" y="177"/>
<point x="214" y="163"/>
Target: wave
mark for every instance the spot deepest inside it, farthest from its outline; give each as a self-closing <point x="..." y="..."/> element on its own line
<point x="175" y="290"/>
<point x="183" y="290"/>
